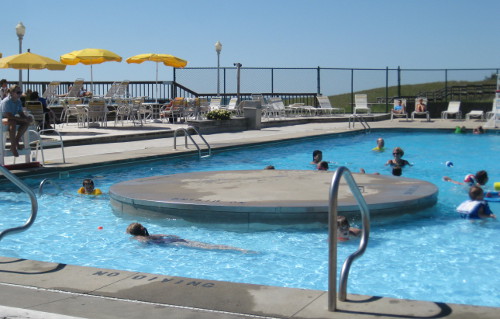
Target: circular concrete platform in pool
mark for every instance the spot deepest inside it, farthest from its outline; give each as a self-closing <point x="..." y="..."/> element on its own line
<point x="266" y="196"/>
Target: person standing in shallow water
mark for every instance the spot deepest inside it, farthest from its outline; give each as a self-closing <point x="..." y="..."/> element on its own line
<point x="317" y="157"/>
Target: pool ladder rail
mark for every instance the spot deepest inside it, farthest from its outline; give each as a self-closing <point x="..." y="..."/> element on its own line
<point x="332" y="236"/>
<point x="34" y="203"/>
<point x="187" y="134"/>
<point x="361" y="119"/>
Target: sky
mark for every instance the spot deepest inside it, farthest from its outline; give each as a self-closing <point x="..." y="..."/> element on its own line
<point x="271" y="33"/>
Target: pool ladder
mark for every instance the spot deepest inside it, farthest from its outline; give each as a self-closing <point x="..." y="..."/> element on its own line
<point x="186" y="135"/>
<point x="332" y="236"/>
<point x="354" y="117"/>
<point x="34" y="203"/>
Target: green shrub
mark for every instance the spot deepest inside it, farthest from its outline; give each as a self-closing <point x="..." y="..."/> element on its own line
<point x="219" y="115"/>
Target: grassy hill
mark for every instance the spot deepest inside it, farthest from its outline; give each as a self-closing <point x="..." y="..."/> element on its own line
<point x="344" y="100"/>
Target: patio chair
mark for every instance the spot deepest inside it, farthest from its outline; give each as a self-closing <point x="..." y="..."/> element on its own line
<point x="326" y="106"/>
<point x="50" y="93"/>
<point x="73" y="108"/>
<point x="361" y="104"/>
<point x="422" y="101"/>
<point x="475" y="113"/>
<point x="5" y="150"/>
<point x="174" y="111"/>
<point x="122" y="90"/>
<point x="41" y="140"/>
<point x="74" y="90"/>
<point x="399" y="109"/>
<point x="453" y="109"/>
<point x="35" y="108"/>
<point x="277" y="107"/>
<point x="122" y="110"/>
<point x="215" y="103"/>
<point x="232" y="106"/>
<point x="97" y="113"/>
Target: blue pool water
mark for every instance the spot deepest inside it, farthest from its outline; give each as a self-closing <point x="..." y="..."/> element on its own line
<point x="429" y="255"/>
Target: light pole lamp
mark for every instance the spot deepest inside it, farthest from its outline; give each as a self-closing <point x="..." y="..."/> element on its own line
<point x="20" y="31"/>
<point x="218" y="48"/>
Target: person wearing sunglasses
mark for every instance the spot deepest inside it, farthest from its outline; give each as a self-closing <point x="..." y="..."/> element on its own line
<point x="398" y="153"/>
<point x="14" y="117"/>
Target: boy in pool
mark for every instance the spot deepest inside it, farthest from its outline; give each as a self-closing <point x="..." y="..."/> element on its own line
<point x="322" y="166"/>
<point x="141" y="234"/>
<point x="380" y="145"/>
<point x="479" y="179"/>
<point x="344" y="229"/>
<point x="475" y="207"/>
<point x="88" y="188"/>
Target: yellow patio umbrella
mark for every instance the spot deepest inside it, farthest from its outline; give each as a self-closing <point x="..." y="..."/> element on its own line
<point x="90" y="57"/>
<point x="30" y="61"/>
<point x="167" y="59"/>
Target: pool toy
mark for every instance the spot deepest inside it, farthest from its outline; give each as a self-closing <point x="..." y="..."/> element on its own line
<point x="449" y="164"/>
<point x="470" y="179"/>
<point x="496" y="186"/>
<point x="492" y="197"/>
<point x="100" y="227"/>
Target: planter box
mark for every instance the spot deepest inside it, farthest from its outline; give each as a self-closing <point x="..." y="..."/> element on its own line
<point x="219" y="126"/>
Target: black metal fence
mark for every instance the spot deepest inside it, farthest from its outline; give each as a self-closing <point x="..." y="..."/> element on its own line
<point x="303" y="84"/>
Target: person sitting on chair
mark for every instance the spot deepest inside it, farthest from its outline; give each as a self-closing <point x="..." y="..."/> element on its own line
<point x="420" y="107"/>
<point x="399" y="108"/>
<point x="13" y="116"/>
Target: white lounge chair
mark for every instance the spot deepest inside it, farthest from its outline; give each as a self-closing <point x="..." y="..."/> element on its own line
<point x="232" y="106"/>
<point x="475" y="113"/>
<point x="361" y="104"/>
<point x="326" y="106"/>
<point x="215" y="103"/>
<point x="453" y="109"/>
<point x="423" y="101"/>
<point x="399" y="110"/>
<point x="50" y="93"/>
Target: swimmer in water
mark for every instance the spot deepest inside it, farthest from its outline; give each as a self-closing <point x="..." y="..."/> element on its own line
<point x="380" y="145"/>
<point x="88" y="188"/>
<point x="141" y="234"/>
<point x="317" y="157"/>
<point x="398" y="153"/>
<point x="344" y="229"/>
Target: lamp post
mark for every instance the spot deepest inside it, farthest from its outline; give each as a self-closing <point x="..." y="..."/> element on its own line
<point x="20" y="31"/>
<point x="218" y="48"/>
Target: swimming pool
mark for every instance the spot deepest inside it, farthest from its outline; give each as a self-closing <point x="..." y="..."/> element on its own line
<point x="430" y="255"/>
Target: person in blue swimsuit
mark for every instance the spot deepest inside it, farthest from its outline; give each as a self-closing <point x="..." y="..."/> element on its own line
<point x="399" y="108"/>
<point x="475" y="207"/>
<point x="141" y="234"/>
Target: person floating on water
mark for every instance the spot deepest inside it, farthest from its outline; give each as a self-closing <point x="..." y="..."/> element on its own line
<point x="141" y="234"/>
<point x="88" y="188"/>
<point x="475" y="207"/>
<point x="380" y="145"/>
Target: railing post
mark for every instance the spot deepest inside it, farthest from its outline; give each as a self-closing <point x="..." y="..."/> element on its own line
<point x="386" y="89"/>
<point x="319" y="80"/>
<point x="352" y="91"/>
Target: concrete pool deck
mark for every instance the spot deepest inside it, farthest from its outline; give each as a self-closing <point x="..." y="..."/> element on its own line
<point x="34" y="289"/>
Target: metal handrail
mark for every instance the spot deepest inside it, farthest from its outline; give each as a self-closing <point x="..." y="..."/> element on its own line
<point x="34" y="203"/>
<point x="42" y="184"/>
<point x="186" y="135"/>
<point x="332" y="236"/>
<point x="361" y="120"/>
